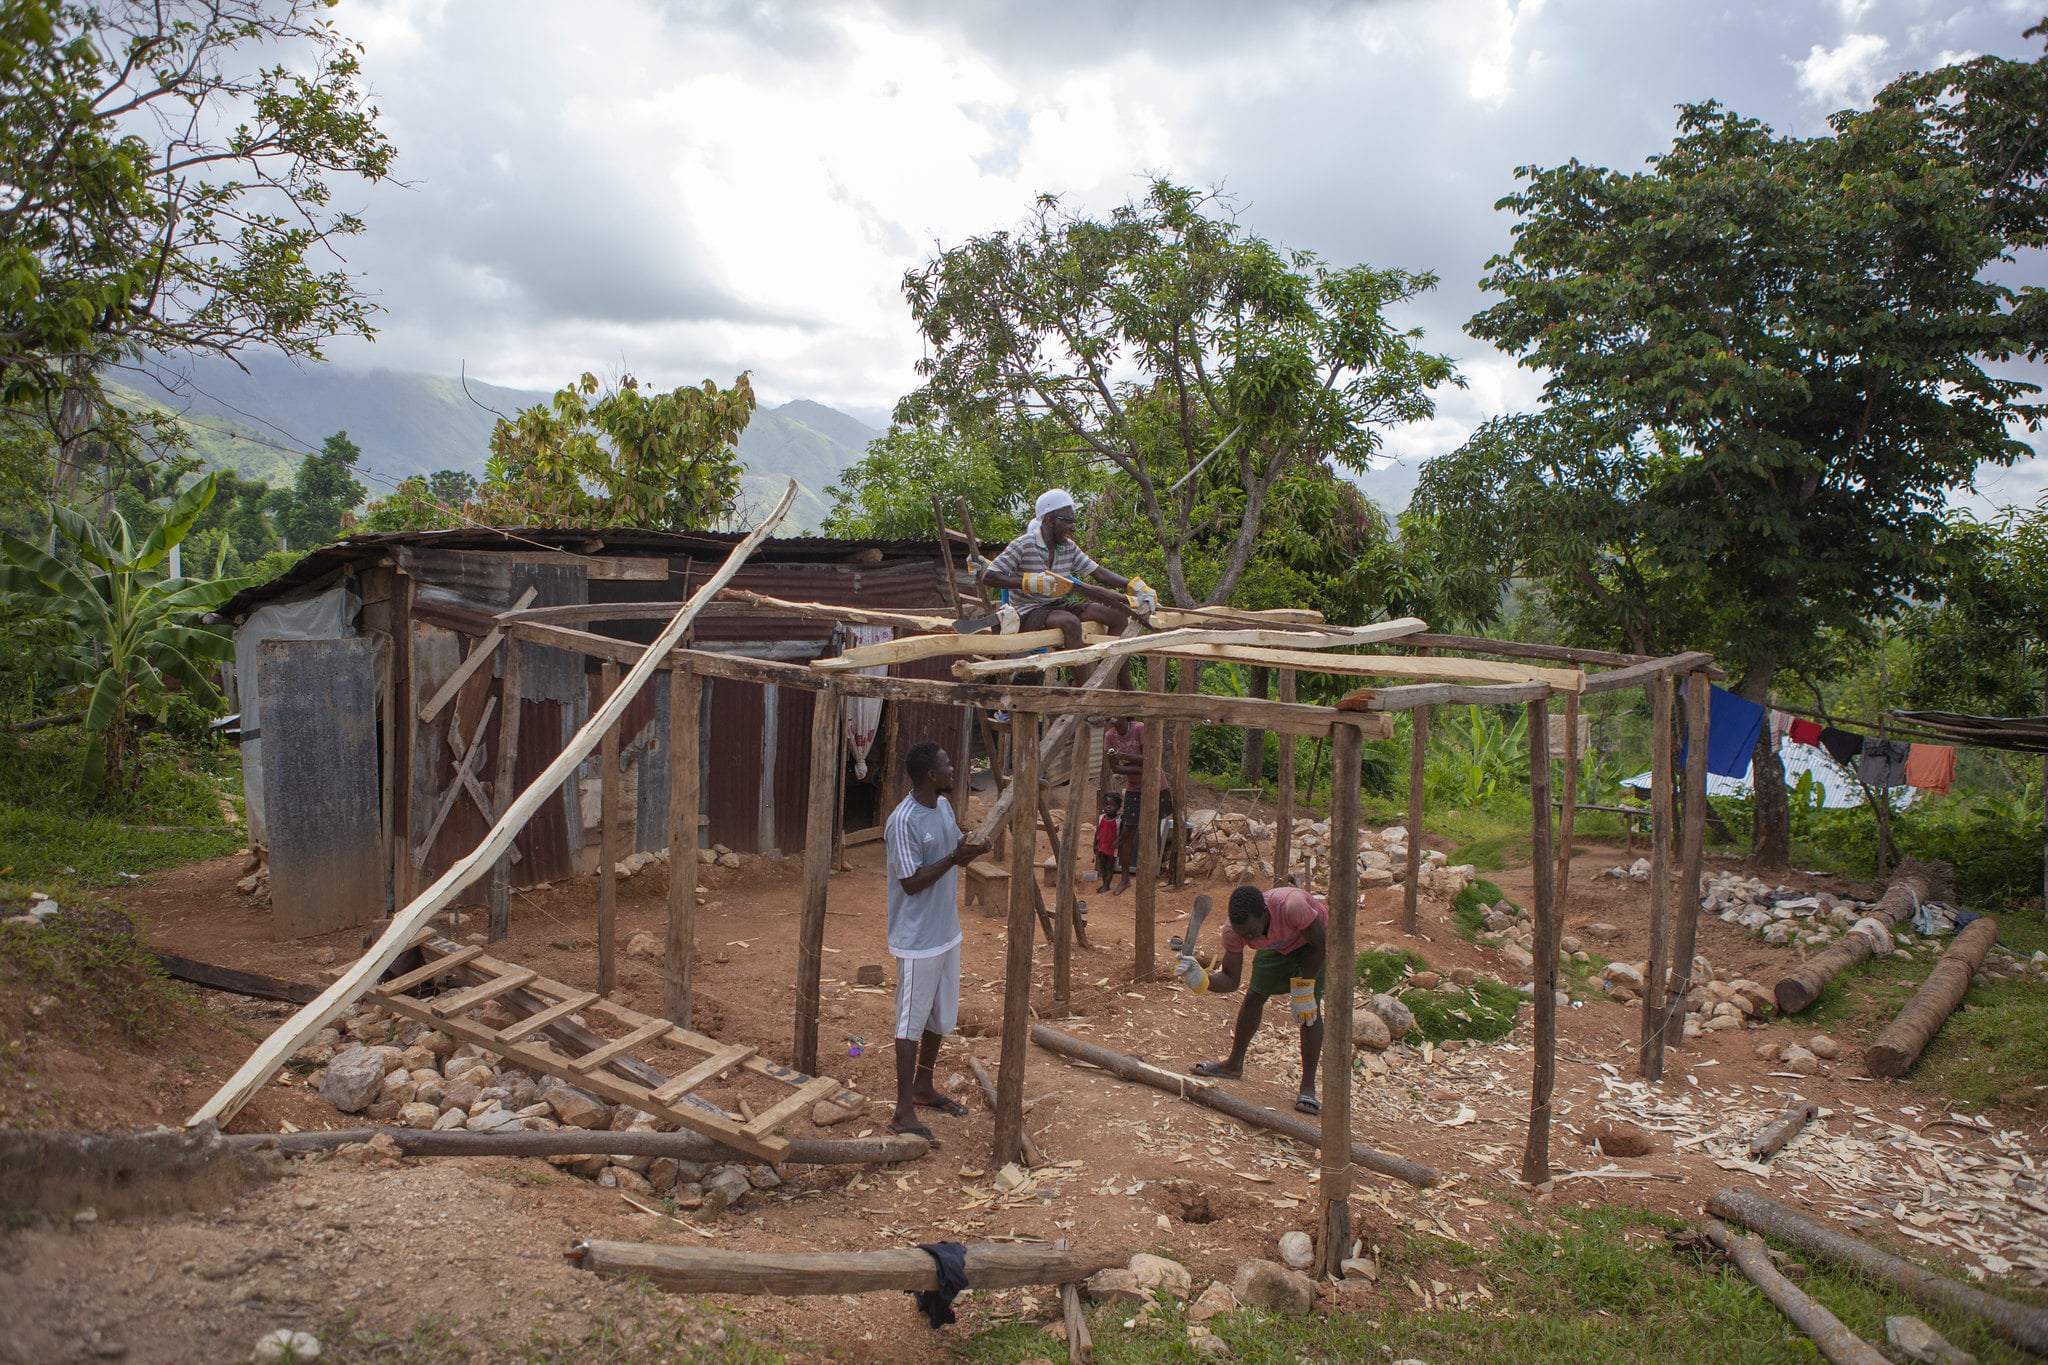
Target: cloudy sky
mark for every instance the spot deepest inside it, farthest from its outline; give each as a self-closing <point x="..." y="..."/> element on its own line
<point x="697" y="187"/>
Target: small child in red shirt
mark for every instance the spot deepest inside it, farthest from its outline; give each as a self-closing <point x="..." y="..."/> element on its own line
<point x="1106" y="840"/>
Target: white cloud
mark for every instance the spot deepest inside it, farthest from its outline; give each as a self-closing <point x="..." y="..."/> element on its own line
<point x="1847" y="74"/>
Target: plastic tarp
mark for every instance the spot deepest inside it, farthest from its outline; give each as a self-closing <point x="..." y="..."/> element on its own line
<point x="329" y="614"/>
<point x="1839" y="788"/>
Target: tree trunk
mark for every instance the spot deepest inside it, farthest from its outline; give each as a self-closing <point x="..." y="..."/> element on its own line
<point x="1771" y="839"/>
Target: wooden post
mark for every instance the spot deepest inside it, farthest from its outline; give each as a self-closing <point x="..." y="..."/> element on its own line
<point x="1561" y="882"/>
<point x="503" y="785"/>
<point x="1536" y="1153"/>
<point x="845" y="747"/>
<point x="1650" y="1064"/>
<point x="685" y="702"/>
<point x="1692" y="838"/>
<point x="1183" y="731"/>
<point x="607" y="851"/>
<point x="1283" y="819"/>
<point x="1341" y="937"/>
<point x="1251" y="768"/>
<point x="810" y="929"/>
<point x="1076" y="843"/>
<point x="963" y="767"/>
<point x="1009" y="1118"/>
<point x="1418" y="746"/>
<point x="1146" y="874"/>
<point x="891" y="785"/>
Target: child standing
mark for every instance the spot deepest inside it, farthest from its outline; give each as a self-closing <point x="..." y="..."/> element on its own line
<point x="1106" y="840"/>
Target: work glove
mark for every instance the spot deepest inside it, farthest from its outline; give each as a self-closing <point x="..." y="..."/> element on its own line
<point x="1191" y="974"/>
<point x="977" y="565"/>
<point x="1046" y="584"/>
<point x="1140" y="597"/>
<point x="1008" y="620"/>
<point x="1301" y="996"/>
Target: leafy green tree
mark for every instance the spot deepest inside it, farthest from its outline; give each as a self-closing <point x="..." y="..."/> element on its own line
<point x="324" y="492"/>
<point x="129" y="630"/>
<point x="1768" y="360"/>
<point x="888" y="492"/>
<point x="1195" y="364"/>
<point x="1984" y="646"/>
<point x="454" y="487"/>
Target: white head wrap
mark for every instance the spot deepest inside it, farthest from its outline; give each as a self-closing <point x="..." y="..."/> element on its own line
<point x="1051" y="500"/>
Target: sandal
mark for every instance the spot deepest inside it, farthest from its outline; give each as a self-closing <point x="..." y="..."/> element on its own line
<point x="1214" y="1069"/>
<point x="951" y="1108"/>
<point x="1307" y="1104"/>
<point x="913" y="1130"/>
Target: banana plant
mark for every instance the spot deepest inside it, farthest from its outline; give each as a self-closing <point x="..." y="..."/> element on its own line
<point x="132" y="629"/>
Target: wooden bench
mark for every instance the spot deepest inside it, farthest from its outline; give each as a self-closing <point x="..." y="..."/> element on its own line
<point x="1632" y="818"/>
<point x="984" y="878"/>
<point x="1049" y="870"/>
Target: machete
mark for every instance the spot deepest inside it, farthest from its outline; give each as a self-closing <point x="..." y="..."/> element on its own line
<point x="1197" y="912"/>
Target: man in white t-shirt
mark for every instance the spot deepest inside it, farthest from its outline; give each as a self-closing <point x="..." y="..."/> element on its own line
<point x="924" y="850"/>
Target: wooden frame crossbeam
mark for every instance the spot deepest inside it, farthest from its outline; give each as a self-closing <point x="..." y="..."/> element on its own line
<point x="1389" y="666"/>
<point x="912" y="647"/>
<point x="1235" y="640"/>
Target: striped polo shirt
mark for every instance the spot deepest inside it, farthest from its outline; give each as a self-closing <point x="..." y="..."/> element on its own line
<point x="1029" y="554"/>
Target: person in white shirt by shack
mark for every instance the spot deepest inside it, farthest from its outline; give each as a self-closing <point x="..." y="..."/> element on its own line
<point x="925" y="851"/>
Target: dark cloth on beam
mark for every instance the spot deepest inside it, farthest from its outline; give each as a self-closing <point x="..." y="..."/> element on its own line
<point x="1843" y="746"/>
<point x="937" y="1304"/>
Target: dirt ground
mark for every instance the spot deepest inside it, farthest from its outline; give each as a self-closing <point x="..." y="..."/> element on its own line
<point x="477" y="1243"/>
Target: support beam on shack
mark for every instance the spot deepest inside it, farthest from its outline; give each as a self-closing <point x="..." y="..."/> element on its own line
<point x="1009" y="1117"/>
<point x="1333" y="1191"/>
<point x="685" y="708"/>
<point x="810" y="934"/>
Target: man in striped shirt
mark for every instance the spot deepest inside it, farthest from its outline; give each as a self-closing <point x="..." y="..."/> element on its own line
<point x="1042" y="566"/>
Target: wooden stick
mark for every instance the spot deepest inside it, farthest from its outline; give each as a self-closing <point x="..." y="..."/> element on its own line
<point x="1418" y="758"/>
<point x="826" y="611"/>
<point x="1692" y="838"/>
<point x="1283" y="819"/>
<point x="1080" y="814"/>
<point x="1650" y="1062"/>
<point x="471" y="756"/>
<point x="708" y="1270"/>
<point x="1516" y="649"/>
<point x="1235" y="643"/>
<point x="485" y="648"/>
<point x="407" y="923"/>
<point x="1543" y="1077"/>
<point x="501" y="788"/>
<point x="234" y="982"/>
<point x="685" y="721"/>
<point x="1080" y="1345"/>
<point x="1753" y="1259"/>
<point x="1333" y="1190"/>
<point x="2023" y="1326"/>
<point x="1907" y="1036"/>
<point x="1782" y="1129"/>
<point x="1418" y="695"/>
<point x="914" y="647"/>
<point x="1638" y="674"/>
<point x="810" y="931"/>
<point x="1009" y="1119"/>
<point x="1207" y="1093"/>
<point x="1032" y="1155"/>
<point x="1912" y="883"/>
<point x="1146" y="852"/>
<point x="1560" y="891"/>
<point x="1373" y="665"/>
<point x="682" y="1146"/>
<point x="607" y="843"/>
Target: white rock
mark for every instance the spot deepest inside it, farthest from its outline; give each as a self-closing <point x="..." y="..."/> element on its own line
<point x="1297" y="1250"/>
<point x="352" y="1078"/>
<point x="285" y="1344"/>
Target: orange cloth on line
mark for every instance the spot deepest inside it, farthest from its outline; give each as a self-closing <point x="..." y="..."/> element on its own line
<point x="1931" y="767"/>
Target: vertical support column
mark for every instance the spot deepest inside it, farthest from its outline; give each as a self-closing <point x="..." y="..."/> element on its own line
<point x="1650" y="1064"/>
<point x="1418" y="746"/>
<point x="1076" y="842"/>
<point x="810" y="929"/>
<point x="1692" y="838"/>
<point x="1569" y="804"/>
<point x="963" y="767"/>
<point x="1341" y="979"/>
<point x="1251" y="768"/>
<point x="607" y="848"/>
<point x="1009" y="1118"/>
<point x="1183" y="732"/>
<point x="892" y="762"/>
<point x="685" y="702"/>
<point x="505" y="785"/>
<point x="404" y="715"/>
<point x="1283" y="820"/>
<point x="1536" y="1154"/>
<point x="1146" y="874"/>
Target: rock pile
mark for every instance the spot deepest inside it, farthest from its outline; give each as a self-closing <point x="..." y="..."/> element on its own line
<point x="1779" y="913"/>
<point x="1232" y="847"/>
<point x="1718" y="1000"/>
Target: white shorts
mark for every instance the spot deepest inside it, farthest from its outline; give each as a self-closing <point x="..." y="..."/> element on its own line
<point x="928" y="993"/>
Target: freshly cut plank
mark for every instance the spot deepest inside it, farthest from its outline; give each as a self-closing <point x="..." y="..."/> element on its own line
<point x="1232" y="643"/>
<point x="1445" y="667"/>
<point x="912" y="647"/>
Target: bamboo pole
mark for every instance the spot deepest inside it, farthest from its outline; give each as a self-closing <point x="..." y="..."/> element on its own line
<point x="501" y="786"/>
<point x="1650" y="1064"/>
<point x="1418" y="748"/>
<point x="685" y="720"/>
<point x="1009" y="1118"/>
<point x="1907" y="1036"/>
<point x="1333" y="1190"/>
<point x="1536" y="1151"/>
<point x="1283" y="820"/>
<point x="810" y="933"/>
<point x="1562" y="881"/>
<point x="712" y="1270"/>
<point x="607" y="845"/>
<point x="1829" y="1334"/>
<point x="403" y="927"/>
<point x="1073" y="843"/>
<point x="1692" y="841"/>
<point x="1146" y="854"/>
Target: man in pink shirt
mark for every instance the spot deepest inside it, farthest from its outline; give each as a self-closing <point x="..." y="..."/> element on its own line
<point x="1285" y="928"/>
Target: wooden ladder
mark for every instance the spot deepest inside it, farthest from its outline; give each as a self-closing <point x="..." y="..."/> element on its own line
<point x="608" y="1068"/>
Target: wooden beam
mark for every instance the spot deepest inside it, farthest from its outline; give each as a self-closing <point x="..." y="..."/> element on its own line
<point x="545" y="1019"/>
<point x="679" y="1146"/>
<point x="1073" y="844"/>
<point x="914" y="647"/>
<point x="236" y="983"/>
<point x="1181" y="735"/>
<point x="1913" y="883"/>
<point x="1543" y="1077"/>
<point x="679" y="946"/>
<point x="1692" y="838"/>
<point x="1232" y="640"/>
<point x="1333" y="1189"/>
<point x="1384" y="665"/>
<point x="717" y="1064"/>
<point x="1517" y="649"/>
<point x="1145" y="875"/>
<point x="501" y="786"/>
<point x="1173" y="618"/>
<point x="1418" y="752"/>
<point x="607" y="846"/>
<point x="1420" y="695"/>
<point x="1562" y="879"/>
<point x="405" y="926"/>
<point x="476" y="659"/>
<point x="1637" y="675"/>
<point x="712" y="1270"/>
<point x="1009" y="1117"/>
<point x="1650" y="1061"/>
<point x="654" y="1030"/>
<point x="810" y="928"/>
<point x="862" y="616"/>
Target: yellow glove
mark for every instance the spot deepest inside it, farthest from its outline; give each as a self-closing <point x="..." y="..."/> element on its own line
<point x="1046" y="584"/>
<point x="1191" y="974"/>
<point x="1301" y="995"/>
<point x="1139" y="595"/>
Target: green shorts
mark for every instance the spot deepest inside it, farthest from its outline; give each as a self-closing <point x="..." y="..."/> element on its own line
<point x="1273" y="973"/>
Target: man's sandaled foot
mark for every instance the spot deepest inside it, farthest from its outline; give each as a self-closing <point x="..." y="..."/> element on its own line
<point x="1215" y="1069"/>
<point x="1307" y="1104"/>
<point x="951" y="1108"/>
<point x="912" y="1130"/>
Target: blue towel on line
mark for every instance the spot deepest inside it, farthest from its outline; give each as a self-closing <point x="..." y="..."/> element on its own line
<point x="1732" y="727"/>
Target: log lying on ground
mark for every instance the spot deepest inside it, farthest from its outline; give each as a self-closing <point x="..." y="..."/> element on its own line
<point x="404" y="926"/>
<point x="706" y="1270"/>
<point x="1783" y="1129"/>
<point x="236" y="982"/>
<point x="1205" y="1092"/>
<point x="1913" y="883"/>
<point x="1907" y="1036"/>
<point x="159" y="1171"/>
<point x="683" y="1146"/>
<point x="2024" y="1327"/>
<point x="1834" y="1339"/>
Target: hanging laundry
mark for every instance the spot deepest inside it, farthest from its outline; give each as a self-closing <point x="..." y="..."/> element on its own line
<point x="1732" y="727"/>
<point x="1805" y="732"/>
<point x="863" y="715"/>
<point x="1931" y="767"/>
<point x="1882" y="762"/>
<point x="1781" y="725"/>
<point x="1843" y="746"/>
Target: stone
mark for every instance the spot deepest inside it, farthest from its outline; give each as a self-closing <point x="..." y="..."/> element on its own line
<point x="664" y="1173"/>
<point x="460" y="1095"/>
<point x="1799" y="1061"/>
<point x="1915" y="1340"/>
<point x="1115" y="1285"/>
<point x="1297" y="1250"/>
<point x="1209" y="1346"/>
<point x="1768" y="1052"/>
<point x="1463" y="976"/>
<point x="492" y="1120"/>
<point x="1569" y="944"/>
<point x="1823" y="1047"/>
<point x="1159" y="1275"/>
<point x="1272" y="1286"/>
<point x="1759" y="996"/>
<point x="870" y="975"/>
<point x="352" y="1079"/>
<point x="285" y="1344"/>
<point x="643" y="944"/>
<point x="1600" y="929"/>
<point x="418" y="1115"/>
<point x="1424" y="981"/>
<point x="763" y="1177"/>
<point x="1517" y="957"/>
<point x="725" y="1187"/>
<point x="1624" y="974"/>
<point x="1217" y="1298"/>
<point x="450" y="1120"/>
<point x="631" y="1181"/>
<point x="578" y="1109"/>
<point x="1369" y="1030"/>
<point x="1617" y="1138"/>
<point x="1361" y="1268"/>
<point x="1398" y="1017"/>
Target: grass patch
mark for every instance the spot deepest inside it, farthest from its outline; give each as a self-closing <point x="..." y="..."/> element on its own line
<point x="1483" y="1011"/>
<point x="52" y="836"/>
<point x="91" y="957"/>
<point x="1380" y="970"/>
<point x="1471" y="904"/>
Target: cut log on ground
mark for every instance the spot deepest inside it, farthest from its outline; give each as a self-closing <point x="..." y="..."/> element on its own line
<point x="1913" y="883"/>
<point x="236" y="983"/>
<point x="1782" y="1130"/>
<point x="405" y="926"/>
<point x="705" y="1270"/>
<point x="1907" y="1036"/>
<point x="1204" y="1092"/>
<point x="121" y="1174"/>
<point x="683" y="1146"/>
<point x="2023" y="1326"/>
<point x="1834" y="1339"/>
